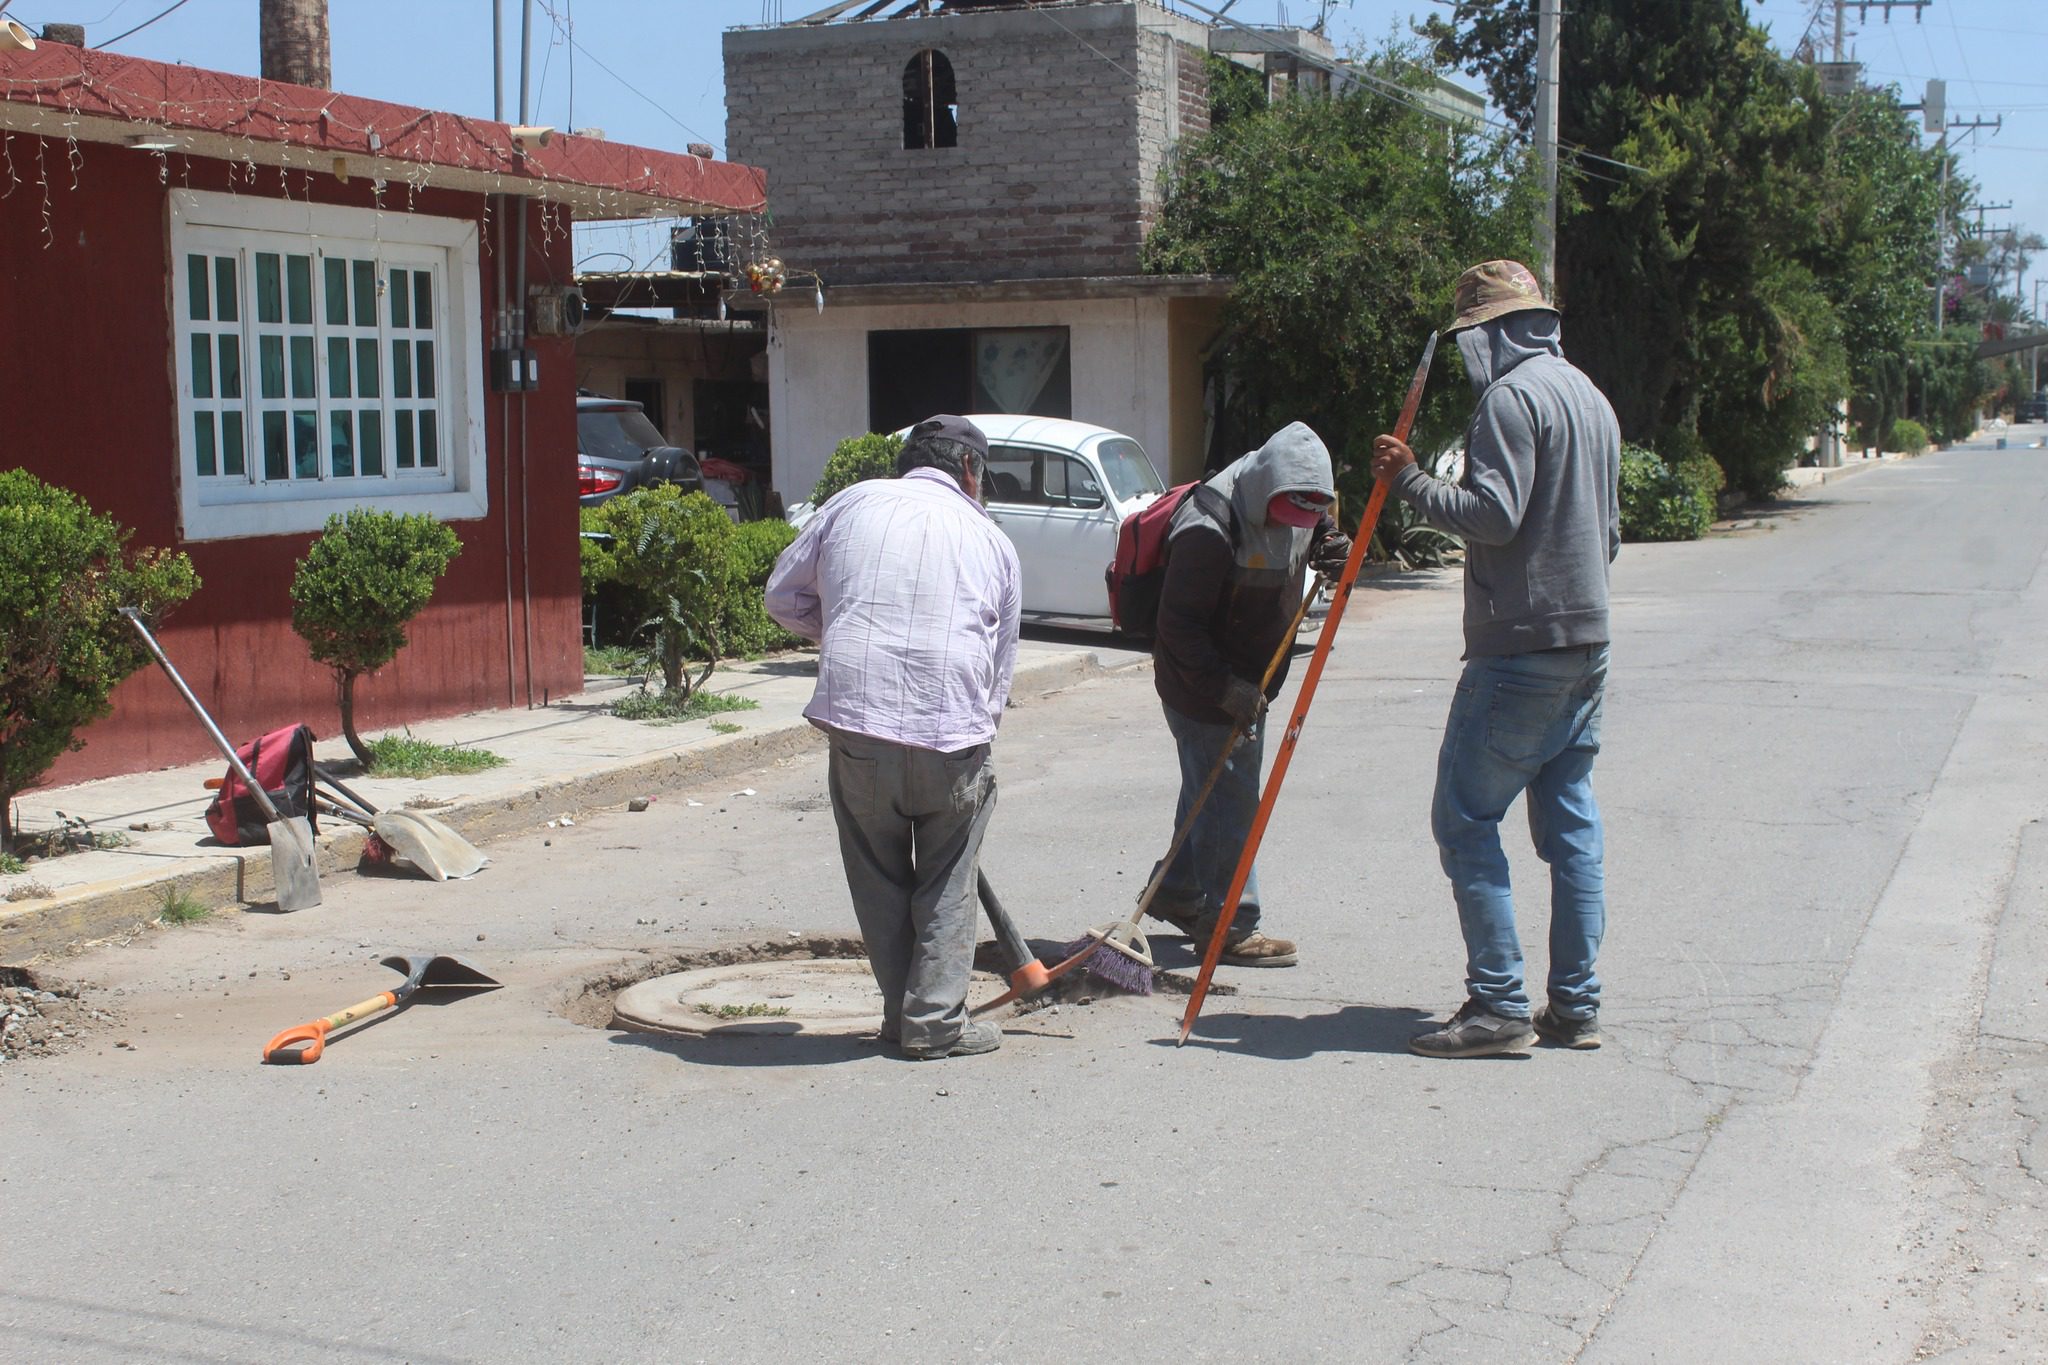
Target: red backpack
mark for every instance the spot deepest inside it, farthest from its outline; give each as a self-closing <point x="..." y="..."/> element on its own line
<point x="1138" y="573"/>
<point x="283" y="762"/>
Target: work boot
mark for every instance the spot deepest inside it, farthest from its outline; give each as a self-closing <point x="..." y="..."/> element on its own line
<point x="1561" y="1030"/>
<point x="976" y="1037"/>
<point x="1258" y="950"/>
<point x="1474" y="1031"/>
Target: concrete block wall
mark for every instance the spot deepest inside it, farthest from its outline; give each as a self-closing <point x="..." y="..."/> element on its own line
<point x="1066" y="117"/>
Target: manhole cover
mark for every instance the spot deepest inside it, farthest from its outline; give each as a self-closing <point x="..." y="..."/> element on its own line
<point x="811" y="996"/>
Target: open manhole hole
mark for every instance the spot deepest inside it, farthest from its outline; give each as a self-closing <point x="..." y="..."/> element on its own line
<point x="819" y="986"/>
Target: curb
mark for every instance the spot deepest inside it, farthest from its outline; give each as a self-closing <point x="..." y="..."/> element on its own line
<point x="81" y="916"/>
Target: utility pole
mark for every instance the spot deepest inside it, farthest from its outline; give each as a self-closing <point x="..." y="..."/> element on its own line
<point x="1546" y="143"/>
<point x="1864" y="7"/>
<point x="293" y="35"/>
<point x="1970" y="125"/>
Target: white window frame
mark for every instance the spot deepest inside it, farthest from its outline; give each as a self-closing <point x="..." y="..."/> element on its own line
<point x="219" y="506"/>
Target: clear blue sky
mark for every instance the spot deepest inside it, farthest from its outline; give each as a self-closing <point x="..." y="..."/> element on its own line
<point x="664" y="86"/>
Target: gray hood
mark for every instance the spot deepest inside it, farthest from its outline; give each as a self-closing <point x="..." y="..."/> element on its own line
<point x="1294" y="460"/>
<point x="1493" y="348"/>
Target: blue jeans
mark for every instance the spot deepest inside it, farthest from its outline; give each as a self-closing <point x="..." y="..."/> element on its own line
<point x="1200" y="876"/>
<point x="1525" y="723"/>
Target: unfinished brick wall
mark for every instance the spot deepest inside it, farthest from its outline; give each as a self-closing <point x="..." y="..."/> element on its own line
<point x="1056" y="172"/>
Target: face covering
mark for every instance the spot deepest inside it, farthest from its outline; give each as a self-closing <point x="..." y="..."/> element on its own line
<point x="1493" y="348"/>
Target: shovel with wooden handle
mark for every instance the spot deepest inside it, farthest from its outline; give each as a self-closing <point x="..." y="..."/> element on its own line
<point x="292" y="868"/>
<point x="443" y="976"/>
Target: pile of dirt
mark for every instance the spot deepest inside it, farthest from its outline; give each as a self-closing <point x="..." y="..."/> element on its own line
<point x="40" y="1017"/>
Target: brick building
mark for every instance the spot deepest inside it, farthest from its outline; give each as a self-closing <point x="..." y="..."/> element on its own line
<point x="973" y="180"/>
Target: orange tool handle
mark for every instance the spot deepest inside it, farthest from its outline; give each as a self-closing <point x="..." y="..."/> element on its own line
<point x="1339" y="599"/>
<point x="308" y="1041"/>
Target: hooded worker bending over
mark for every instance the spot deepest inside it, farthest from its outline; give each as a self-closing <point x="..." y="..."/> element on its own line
<point x="1238" y="553"/>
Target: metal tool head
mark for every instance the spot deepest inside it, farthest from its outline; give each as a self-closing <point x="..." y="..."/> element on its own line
<point x="446" y="978"/>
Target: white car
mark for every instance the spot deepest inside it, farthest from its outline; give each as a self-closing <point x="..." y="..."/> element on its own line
<point x="1060" y="490"/>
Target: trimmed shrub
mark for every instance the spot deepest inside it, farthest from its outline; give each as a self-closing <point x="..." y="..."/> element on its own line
<point x="855" y="459"/>
<point x="368" y="574"/>
<point x="1659" y="502"/>
<point x="1908" y="437"/>
<point x="65" y="571"/>
<point x="677" y="550"/>
<point x="748" y="627"/>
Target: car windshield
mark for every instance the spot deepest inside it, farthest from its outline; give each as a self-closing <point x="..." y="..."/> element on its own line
<point x="1129" y="472"/>
<point x="616" y="434"/>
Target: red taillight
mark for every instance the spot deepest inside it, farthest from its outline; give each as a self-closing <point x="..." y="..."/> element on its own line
<point x="592" y="478"/>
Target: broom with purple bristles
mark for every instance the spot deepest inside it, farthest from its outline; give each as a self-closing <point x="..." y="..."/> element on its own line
<point x="1127" y="963"/>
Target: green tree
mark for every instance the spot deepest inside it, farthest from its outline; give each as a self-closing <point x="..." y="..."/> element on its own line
<point x="857" y="458"/>
<point x="1691" y="275"/>
<point x="369" y="573"/>
<point x="1343" y="221"/>
<point x="679" y="550"/>
<point x="65" y="572"/>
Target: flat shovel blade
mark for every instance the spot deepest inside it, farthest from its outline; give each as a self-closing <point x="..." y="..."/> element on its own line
<point x="292" y="868"/>
<point x="429" y="845"/>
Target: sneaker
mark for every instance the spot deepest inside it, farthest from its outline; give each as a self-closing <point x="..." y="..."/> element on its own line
<point x="1258" y="950"/>
<point x="977" y="1037"/>
<point x="1474" y="1031"/>
<point x="1186" y="918"/>
<point x="1561" y="1030"/>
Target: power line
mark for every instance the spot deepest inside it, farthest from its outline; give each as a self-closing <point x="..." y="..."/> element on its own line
<point x="141" y="26"/>
<point x="575" y="46"/>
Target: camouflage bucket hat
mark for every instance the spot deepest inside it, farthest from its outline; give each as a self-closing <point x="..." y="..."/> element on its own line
<point x="1494" y="289"/>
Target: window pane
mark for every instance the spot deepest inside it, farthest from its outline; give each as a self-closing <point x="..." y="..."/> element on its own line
<point x="425" y="351"/>
<point x="302" y="367"/>
<point x="366" y="292"/>
<point x="231" y="445"/>
<point x="401" y="369"/>
<point x="202" y="365"/>
<point x="226" y="289"/>
<point x="337" y="368"/>
<point x="299" y="289"/>
<point x="306" y="445"/>
<point x="276" y="461"/>
<point x="195" y="285"/>
<point x="430" y="447"/>
<point x="401" y="422"/>
<point x="269" y="308"/>
<point x="366" y="368"/>
<point x="422" y="299"/>
<point x="336" y="287"/>
<point x="401" y="299"/>
<point x="230" y="367"/>
<point x="341" y="445"/>
<point x="370" y="427"/>
<point x="270" y="356"/>
<point x="202" y="424"/>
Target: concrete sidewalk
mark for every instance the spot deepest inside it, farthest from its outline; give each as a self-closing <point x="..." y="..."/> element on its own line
<point x="562" y="759"/>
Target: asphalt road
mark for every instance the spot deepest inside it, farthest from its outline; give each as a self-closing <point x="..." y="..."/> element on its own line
<point x="1814" y="1133"/>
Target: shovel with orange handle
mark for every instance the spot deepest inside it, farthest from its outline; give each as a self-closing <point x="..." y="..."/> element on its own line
<point x="439" y="976"/>
<point x="1339" y="598"/>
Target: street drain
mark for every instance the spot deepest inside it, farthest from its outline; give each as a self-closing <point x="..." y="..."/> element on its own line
<point x="813" y="986"/>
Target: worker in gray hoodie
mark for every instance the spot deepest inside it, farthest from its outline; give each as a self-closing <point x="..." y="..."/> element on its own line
<point x="1238" y="552"/>
<point x="1537" y="509"/>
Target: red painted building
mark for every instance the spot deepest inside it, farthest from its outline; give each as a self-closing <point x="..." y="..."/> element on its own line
<point x="230" y="308"/>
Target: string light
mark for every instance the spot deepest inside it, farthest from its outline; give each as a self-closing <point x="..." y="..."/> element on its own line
<point x="7" y="152"/>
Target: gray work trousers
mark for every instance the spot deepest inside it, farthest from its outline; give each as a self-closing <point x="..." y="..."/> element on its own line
<point x="910" y="827"/>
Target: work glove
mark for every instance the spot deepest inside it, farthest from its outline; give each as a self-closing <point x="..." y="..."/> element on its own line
<point x="1244" y="701"/>
<point x="1328" y="555"/>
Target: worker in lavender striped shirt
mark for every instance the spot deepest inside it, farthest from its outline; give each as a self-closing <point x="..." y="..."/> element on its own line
<point x="913" y="596"/>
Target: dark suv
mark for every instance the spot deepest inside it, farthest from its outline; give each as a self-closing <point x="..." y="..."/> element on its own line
<point x="2033" y="409"/>
<point x="618" y="450"/>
